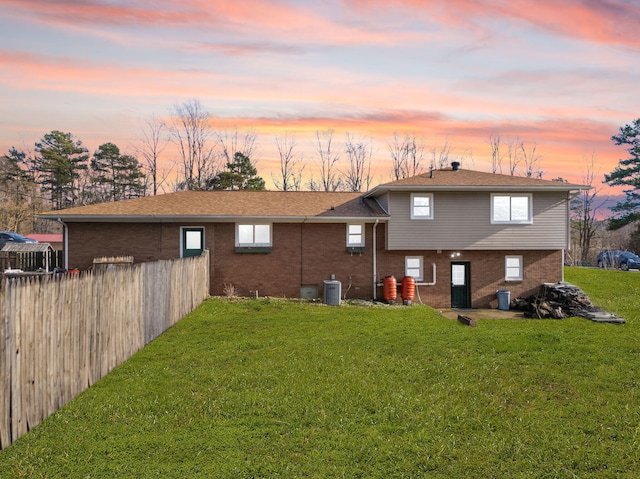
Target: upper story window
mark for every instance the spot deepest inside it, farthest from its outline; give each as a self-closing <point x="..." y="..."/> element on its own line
<point x="355" y="235"/>
<point x="511" y="208"/>
<point x="422" y="206"/>
<point x="253" y="235"/>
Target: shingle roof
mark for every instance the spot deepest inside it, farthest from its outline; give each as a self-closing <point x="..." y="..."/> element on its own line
<point x="227" y="205"/>
<point x="27" y="247"/>
<point x="230" y="204"/>
<point x="448" y="178"/>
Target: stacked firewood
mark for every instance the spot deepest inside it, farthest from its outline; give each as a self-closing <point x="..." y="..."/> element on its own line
<point x="555" y="300"/>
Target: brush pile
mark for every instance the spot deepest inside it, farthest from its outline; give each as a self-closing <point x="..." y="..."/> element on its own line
<point x="555" y="300"/>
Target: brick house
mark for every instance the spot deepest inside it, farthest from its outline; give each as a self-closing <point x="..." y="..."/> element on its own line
<point x="462" y="234"/>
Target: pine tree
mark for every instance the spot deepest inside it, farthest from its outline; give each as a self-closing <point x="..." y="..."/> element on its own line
<point x="58" y="166"/>
<point x="239" y="175"/>
<point x="627" y="174"/>
<point x="115" y="176"/>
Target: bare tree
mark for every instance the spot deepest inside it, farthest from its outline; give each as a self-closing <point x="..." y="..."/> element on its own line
<point x="496" y="154"/>
<point x="290" y="174"/>
<point x="329" y="181"/>
<point x="514" y="149"/>
<point x="440" y="157"/>
<point x="584" y="209"/>
<point x="531" y="159"/>
<point x="406" y="156"/>
<point x="359" y="152"/>
<point x="19" y="193"/>
<point x="190" y="131"/>
<point x="397" y="150"/>
<point x="151" y="146"/>
<point x="231" y="142"/>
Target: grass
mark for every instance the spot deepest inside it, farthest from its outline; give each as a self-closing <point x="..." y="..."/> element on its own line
<point x="268" y="388"/>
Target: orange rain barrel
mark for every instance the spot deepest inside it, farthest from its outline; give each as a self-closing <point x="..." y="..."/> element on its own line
<point x="389" y="289"/>
<point x="408" y="290"/>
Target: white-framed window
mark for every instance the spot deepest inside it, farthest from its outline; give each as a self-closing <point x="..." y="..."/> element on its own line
<point x="511" y="208"/>
<point x="422" y="206"/>
<point x="413" y="266"/>
<point x="513" y="268"/>
<point x="253" y="235"/>
<point x="355" y="235"/>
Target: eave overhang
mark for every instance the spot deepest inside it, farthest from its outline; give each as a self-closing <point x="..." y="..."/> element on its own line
<point x="208" y="219"/>
<point x="572" y="189"/>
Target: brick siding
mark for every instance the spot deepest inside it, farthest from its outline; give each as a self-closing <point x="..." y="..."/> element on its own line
<point x="308" y="254"/>
<point x="487" y="274"/>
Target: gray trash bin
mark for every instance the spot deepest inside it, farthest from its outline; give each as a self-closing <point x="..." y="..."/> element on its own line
<point x="504" y="298"/>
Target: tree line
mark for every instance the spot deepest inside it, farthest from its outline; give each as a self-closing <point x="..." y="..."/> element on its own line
<point x="60" y="172"/>
<point x="625" y="213"/>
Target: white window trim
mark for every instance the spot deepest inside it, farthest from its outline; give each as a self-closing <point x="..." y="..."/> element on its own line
<point x="422" y="195"/>
<point x="254" y="244"/>
<point x="520" y="276"/>
<point x="362" y="242"/>
<point x="528" y="221"/>
<point x="421" y="267"/>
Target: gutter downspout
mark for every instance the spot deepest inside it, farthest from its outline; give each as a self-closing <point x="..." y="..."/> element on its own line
<point x="65" y="242"/>
<point x="433" y="266"/>
<point x="375" y="265"/>
<point x="302" y="252"/>
<point x="567" y="245"/>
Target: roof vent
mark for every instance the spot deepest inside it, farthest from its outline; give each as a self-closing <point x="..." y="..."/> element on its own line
<point x="455" y="166"/>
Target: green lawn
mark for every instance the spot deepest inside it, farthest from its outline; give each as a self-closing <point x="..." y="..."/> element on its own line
<point x="268" y="388"/>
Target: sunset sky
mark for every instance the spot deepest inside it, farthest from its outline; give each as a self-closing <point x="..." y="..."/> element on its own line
<point x="564" y="76"/>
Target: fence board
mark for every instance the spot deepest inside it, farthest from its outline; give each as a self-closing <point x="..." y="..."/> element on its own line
<point x="28" y="365"/>
<point x="59" y="335"/>
<point x="5" y="375"/>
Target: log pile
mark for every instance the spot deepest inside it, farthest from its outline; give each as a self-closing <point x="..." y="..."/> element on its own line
<point x="555" y="300"/>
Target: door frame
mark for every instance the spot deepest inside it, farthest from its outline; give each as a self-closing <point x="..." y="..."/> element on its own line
<point x="183" y="247"/>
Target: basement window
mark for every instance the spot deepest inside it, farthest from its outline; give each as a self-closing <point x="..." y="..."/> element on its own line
<point x="513" y="268"/>
<point x="413" y="266"/>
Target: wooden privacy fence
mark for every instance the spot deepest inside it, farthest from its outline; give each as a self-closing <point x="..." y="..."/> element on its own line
<point x="59" y="335"/>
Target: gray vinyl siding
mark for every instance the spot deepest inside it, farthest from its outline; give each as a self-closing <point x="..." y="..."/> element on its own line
<point x="463" y="221"/>
<point x="383" y="201"/>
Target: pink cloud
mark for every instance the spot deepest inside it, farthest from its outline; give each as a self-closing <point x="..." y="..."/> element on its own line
<point x="379" y="22"/>
<point x="614" y="22"/>
<point x="562" y="135"/>
<point x="69" y="11"/>
<point x="563" y="143"/>
<point x="611" y="22"/>
<point x="28" y="71"/>
<point x="345" y="92"/>
<point x="271" y="21"/>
